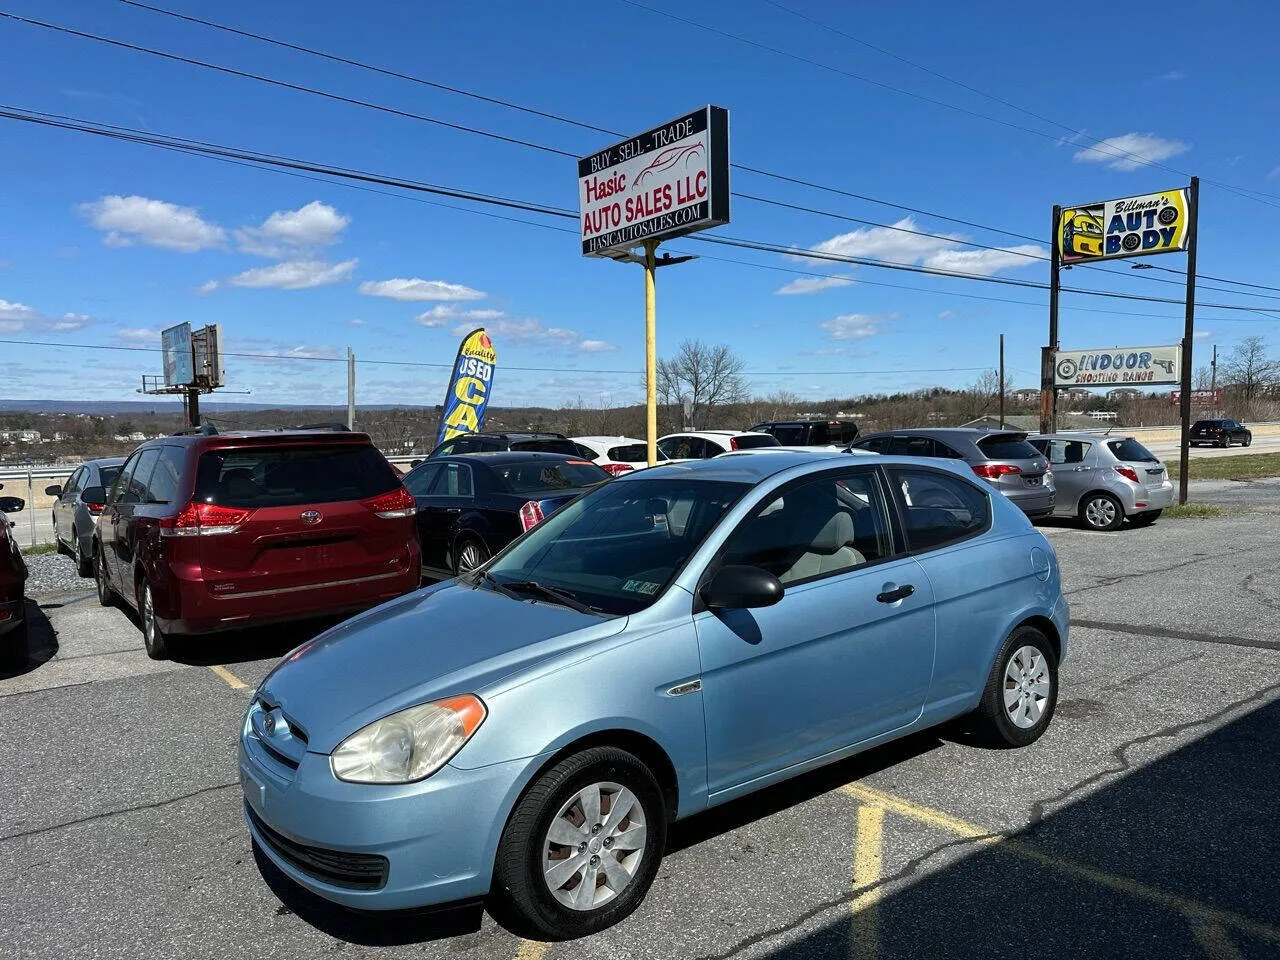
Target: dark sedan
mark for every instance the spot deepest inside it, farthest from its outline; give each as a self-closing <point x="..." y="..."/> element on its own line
<point x="1220" y="433"/>
<point x="13" y="579"/>
<point x="472" y="505"/>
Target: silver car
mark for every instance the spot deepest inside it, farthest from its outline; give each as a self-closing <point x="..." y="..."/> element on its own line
<point x="74" y="520"/>
<point x="1001" y="457"/>
<point x="1105" y="480"/>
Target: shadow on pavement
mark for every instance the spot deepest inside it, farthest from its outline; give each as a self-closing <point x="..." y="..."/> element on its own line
<point x="38" y="647"/>
<point x="244" y="646"/>
<point x="1176" y="859"/>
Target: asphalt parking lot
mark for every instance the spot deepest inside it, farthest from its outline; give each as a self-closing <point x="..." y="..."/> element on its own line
<point x="1141" y="825"/>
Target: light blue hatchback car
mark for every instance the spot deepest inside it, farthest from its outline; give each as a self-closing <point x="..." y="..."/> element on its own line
<point x="671" y="640"/>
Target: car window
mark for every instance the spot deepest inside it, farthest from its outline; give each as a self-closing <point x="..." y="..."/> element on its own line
<point x="1004" y="446"/>
<point x="551" y="445"/>
<point x="466" y="445"/>
<point x="938" y="508"/>
<point x="548" y="477"/>
<point x="747" y="441"/>
<point x="1130" y="449"/>
<point x="452" y="480"/>
<point x="618" y="547"/>
<point x="820" y="433"/>
<point x="107" y="475"/>
<point x="874" y="444"/>
<point x="633" y="453"/>
<point x="911" y="447"/>
<point x="788" y="434"/>
<point x="712" y="449"/>
<point x="846" y="433"/>
<point x="819" y="528"/>
<point x="136" y="489"/>
<point x="288" y="476"/>
<point x="418" y="482"/>
<point x="163" y="485"/>
<point x="1062" y="451"/>
<point x="72" y="485"/>
<point x="122" y="478"/>
<point x="681" y="447"/>
<point x="583" y="451"/>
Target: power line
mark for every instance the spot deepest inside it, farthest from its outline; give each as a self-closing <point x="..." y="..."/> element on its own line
<point x="546" y="115"/>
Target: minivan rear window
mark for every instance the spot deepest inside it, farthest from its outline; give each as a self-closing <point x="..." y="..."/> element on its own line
<point x="541" y="476"/>
<point x="290" y="476"/>
<point x="1007" y="447"/>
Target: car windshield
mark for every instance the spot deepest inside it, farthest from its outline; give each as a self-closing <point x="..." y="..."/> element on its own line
<point x="542" y="476"/>
<point x="749" y="441"/>
<point x="108" y="475"/>
<point x="1131" y="449"/>
<point x="257" y="476"/>
<point x="1007" y="446"/>
<point x="617" y="548"/>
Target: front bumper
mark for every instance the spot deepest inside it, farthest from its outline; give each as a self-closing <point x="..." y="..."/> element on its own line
<point x="437" y="837"/>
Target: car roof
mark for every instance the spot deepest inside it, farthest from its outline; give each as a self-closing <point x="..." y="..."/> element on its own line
<point x="509" y="434"/>
<point x="747" y="466"/>
<point x="105" y="462"/>
<point x="972" y="433"/>
<point x="495" y="458"/>
<point x="709" y="433"/>
<point x="1080" y="435"/>
<point x="264" y="437"/>
<point x="607" y="440"/>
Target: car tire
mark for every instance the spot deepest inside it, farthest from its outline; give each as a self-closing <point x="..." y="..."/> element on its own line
<point x="84" y="567"/>
<point x="1021" y="692"/>
<point x="106" y="595"/>
<point x="1145" y="519"/>
<point x="1247" y="440"/>
<point x="58" y="545"/>
<point x="468" y="553"/>
<point x="157" y="643"/>
<point x="1101" y="511"/>
<point x="523" y="898"/>
<point x="1224" y="443"/>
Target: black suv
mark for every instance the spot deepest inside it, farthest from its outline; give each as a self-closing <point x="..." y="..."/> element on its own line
<point x="810" y="433"/>
<point x="1220" y="433"/>
<point x="524" y="442"/>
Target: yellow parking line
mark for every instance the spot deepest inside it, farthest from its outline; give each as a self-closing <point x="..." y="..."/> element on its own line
<point x="234" y="682"/>
<point x="1215" y="942"/>
<point x="867" y="859"/>
<point x="531" y="950"/>
<point x="1200" y="913"/>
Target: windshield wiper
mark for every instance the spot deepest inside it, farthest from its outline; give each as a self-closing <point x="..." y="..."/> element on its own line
<point x="498" y="585"/>
<point x="554" y="594"/>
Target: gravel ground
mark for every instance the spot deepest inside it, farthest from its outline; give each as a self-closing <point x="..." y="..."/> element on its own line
<point x="53" y="573"/>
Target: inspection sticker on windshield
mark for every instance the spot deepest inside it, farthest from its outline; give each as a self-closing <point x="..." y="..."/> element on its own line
<point x="641" y="586"/>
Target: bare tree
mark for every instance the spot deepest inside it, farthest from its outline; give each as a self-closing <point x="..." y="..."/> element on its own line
<point x="707" y="376"/>
<point x="1249" y="372"/>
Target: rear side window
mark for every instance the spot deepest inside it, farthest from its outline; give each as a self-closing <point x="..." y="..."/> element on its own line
<point x="912" y="447"/>
<point x="453" y="480"/>
<point x="633" y="453"/>
<point x="1062" y="451"/>
<point x="939" y="509"/>
<point x="1006" y="447"/>
<point x="567" y="447"/>
<point x="291" y="476"/>
<point x="788" y="434"/>
<point x="750" y="441"/>
<point x="136" y="489"/>
<point x="874" y="444"/>
<point x="684" y="448"/>
<point x="419" y="480"/>
<point x="108" y="475"/>
<point x="846" y="433"/>
<point x="819" y="433"/>
<point x="1131" y="449"/>
<point x="165" y="476"/>
<point x="539" y="476"/>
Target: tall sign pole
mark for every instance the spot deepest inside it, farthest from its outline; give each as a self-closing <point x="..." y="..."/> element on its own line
<point x="1001" y="381"/>
<point x="351" y="389"/>
<point x="1188" y="335"/>
<point x="651" y="350"/>
<point x="1048" y="395"/>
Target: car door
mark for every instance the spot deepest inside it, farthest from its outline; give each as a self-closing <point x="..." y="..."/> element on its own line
<point x="418" y="483"/>
<point x="64" y="508"/>
<point x="1073" y="463"/>
<point x="107" y="524"/>
<point x="845" y="656"/>
<point x="136" y="495"/>
<point x="451" y="492"/>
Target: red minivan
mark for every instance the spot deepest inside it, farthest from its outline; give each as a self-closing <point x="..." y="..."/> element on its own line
<point x="209" y="532"/>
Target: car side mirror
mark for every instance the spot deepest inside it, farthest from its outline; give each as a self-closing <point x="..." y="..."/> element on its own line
<point x="12" y="504"/>
<point x="94" y="496"/>
<point x="54" y="491"/>
<point x="738" y="586"/>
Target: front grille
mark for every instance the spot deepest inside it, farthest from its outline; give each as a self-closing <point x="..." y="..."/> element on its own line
<point x="355" y="871"/>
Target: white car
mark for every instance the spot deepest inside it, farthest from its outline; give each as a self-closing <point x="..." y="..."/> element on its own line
<point x="701" y="444"/>
<point x="618" y="454"/>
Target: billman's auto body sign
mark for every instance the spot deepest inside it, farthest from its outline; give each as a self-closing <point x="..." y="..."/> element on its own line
<point x="1117" y="367"/>
<point x="1131" y="227"/>
<point x="663" y="183"/>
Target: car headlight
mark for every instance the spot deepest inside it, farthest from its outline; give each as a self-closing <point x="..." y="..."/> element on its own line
<point x="408" y="745"/>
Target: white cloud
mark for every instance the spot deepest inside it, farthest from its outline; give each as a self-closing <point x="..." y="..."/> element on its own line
<point x="1168" y="77"/>
<point x="207" y="288"/>
<point x="287" y="233"/>
<point x="984" y="262"/>
<point x="803" y="285"/>
<point x="1130" y="151"/>
<point x="530" y="332"/>
<point x="416" y="289"/>
<point x="126" y="220"/>
<point x="1203" y="334"/>
<point x="357" y="322"/>
<point x="16" y="317"/>
<point x="442" y="313"/>
<point x="138" y="334"/>
<point x="596" y="346"/>
<point x="1274" y="174"/>
<point x="947" y="315"/>
<point x="296" y="274"/>
<point x="853" y="326"/>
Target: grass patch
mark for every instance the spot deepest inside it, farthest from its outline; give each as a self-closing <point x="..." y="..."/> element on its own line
<point x="1251" y="466"/>
<point x="39" y="549"/>
<point x="1195" y="510"/>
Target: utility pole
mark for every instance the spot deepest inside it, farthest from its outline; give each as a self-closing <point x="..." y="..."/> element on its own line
<point x="193" y="406"/>
<point x="1213" y="369"/>
<point x="1048" y="395"/>
<point x="1188" y="336"/>
<point x="351" y="389"/>
<point x="1002" y="381"/>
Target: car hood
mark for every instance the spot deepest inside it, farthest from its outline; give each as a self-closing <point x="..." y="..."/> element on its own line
<point x="439" y="642"/>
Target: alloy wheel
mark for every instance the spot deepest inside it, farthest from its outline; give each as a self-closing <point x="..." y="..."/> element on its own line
<point x="470" y="556"/>
<point x="594" y="846"/>
<point x="1026" y="687"/>
<point x="148" y="618"/>
<point x="1100" y="512"/>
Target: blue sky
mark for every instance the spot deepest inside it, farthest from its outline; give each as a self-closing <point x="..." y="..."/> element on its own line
<point x="103" y="242"/>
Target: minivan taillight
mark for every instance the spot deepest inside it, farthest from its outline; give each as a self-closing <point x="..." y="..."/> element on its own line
<point x="394" y="503"/>
<point x="530" y="516"/>
<point x="203" y="520"/>
<point x="994" y="471"/>
<point x="617" y="468"/>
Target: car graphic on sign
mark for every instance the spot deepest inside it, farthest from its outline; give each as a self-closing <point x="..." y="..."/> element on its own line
<point x="1081" y="234"/>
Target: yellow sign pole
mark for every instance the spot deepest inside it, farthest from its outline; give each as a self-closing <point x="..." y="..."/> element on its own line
<point x="651" y="349"/>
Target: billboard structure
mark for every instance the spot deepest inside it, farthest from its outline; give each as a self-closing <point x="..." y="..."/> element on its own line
<point x="179" y="363"/>
<point x="663" y="183"/>
<point x="1117" y="367"/>
<point x="206" y="349"/>
<point x="469" y="388"/>
<point x="1129" y="227"/>
<point x="192" y="361"/>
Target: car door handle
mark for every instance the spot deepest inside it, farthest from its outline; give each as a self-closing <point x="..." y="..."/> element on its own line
<point x="899" y="593"/>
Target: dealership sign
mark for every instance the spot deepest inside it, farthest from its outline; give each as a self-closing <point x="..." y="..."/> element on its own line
<point x="469" y="388"/>
<point x="1199" y="398"/>
<point x="1131" y="227"/>
<point x="663" y="183"/>
<point x="1117" y="367"/>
